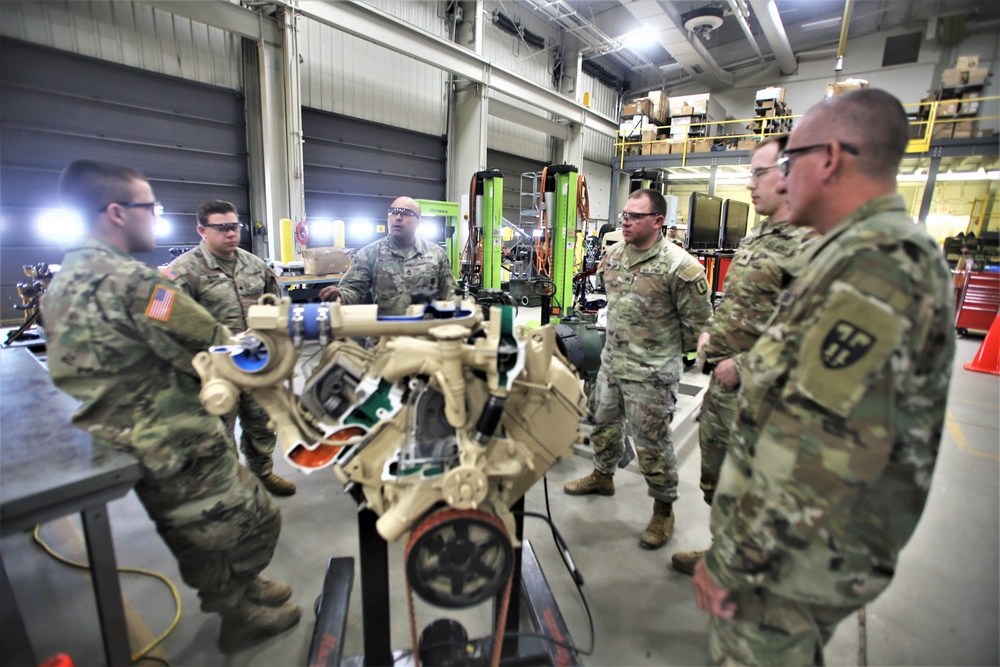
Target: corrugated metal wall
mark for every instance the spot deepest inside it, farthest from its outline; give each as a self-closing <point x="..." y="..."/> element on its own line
<point x="349" y="76"/>
<point x="603" y="100"/>
<point x="511" y="53"/>
<point x="128" y="34"/>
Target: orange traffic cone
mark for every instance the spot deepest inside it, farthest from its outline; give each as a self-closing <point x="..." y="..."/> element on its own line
<point x="987" y="360"/>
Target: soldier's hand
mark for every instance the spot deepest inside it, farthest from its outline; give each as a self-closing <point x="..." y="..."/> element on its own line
<point x="726" y="374"/>
<point x="709" y="595"/>
<point x="329" y="293"/>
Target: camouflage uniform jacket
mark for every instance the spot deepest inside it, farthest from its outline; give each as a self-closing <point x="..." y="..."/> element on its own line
<point x="841" y="413"/>
<point x="120" y="339"/>
<point x="756" y="277"/>
<point x="387" y="274"/>
<point x="205" y="279"/>
<point x="657" y="305"/>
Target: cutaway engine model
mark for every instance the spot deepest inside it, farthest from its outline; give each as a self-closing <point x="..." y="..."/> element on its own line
<point x="439" y="429"/>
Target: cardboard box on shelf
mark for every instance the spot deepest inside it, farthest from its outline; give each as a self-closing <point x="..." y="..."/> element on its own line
<point x="845" y="86"/>
<point x="660" y="148"/>
<point x="702" y="145"/>
<point x="967" y="63"/>
<point x="661" y="106"/>
<point x="947" y="108"/>
<point x="942" y="131"/>
<point x="641" y="107"/>
<point x="323" y="261"/>
<point x="970" y="103"/>
<point x="746" y="144"/>
<point x="776" y="93"/>
<point x="977" y="76"/>
<point x="677" y="147"/>
<point x="965" y="129"/>
<point x="954" y="77"/>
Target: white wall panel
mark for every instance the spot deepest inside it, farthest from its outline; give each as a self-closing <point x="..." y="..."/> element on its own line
<point x="511" y="53"/>
<point x="129" y="34"/>
<point x="347" y="75"/>
<point x="604" y="100"/>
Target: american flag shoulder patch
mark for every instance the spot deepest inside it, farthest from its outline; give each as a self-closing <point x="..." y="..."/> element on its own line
<point x="161" y="303"/>
<point x="171" y="273"/>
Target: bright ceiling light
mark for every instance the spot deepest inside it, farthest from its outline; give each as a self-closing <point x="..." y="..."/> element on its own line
<point x="640" y="37"/>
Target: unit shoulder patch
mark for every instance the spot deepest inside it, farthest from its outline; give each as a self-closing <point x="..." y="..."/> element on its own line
<point x="845" y="344"/>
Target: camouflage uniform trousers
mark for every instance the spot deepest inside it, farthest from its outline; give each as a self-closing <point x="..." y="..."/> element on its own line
<point x="642" y="411"/>
<point x="257" y="441"/>
<point x="218" y="520"/>
<point x="716" y="423"/>
<point x="772" y="630"/>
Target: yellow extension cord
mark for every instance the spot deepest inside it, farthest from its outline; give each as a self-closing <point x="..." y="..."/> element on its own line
<point x="156" y="575"/>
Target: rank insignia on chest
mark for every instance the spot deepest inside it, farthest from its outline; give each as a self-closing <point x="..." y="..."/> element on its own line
<point x="161" y="304"/>
<point x="845" y="344"/>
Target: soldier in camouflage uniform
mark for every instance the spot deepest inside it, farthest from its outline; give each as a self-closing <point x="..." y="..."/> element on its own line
<point x="387" y="271"/>
<point x="120" y="339"/>
<point x="755" y="279"/>
<point x="227" y="280"/>
<point x="658" y="302"/>
<point x="842" y="402"/>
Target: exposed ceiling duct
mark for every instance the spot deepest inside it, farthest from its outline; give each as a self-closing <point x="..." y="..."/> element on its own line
<point x="686" y="48"/>
<point x="767" y="15"/>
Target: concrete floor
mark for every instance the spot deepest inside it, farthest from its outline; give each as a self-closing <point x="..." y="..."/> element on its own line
<point x="942" y="609"/>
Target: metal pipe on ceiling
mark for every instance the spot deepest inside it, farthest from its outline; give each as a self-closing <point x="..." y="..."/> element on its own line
<point x="844" y="28"/>
<point x="740" y="12"/>
<point x="774" y="30"/>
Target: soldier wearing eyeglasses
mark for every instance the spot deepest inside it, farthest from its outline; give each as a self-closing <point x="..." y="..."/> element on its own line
<point x="387" y="271"/>
<point x="121" y="338"/>
<point x="758" y="272"/>
<point x="227" y="280"/>
<point x="842" y="401"/>
<point x="658" y="303"/>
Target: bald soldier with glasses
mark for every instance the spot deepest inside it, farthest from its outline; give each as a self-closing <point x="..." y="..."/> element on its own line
<point x="387" y="271"/>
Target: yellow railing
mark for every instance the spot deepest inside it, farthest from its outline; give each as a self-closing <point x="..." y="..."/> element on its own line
<point x="920" y="144"/>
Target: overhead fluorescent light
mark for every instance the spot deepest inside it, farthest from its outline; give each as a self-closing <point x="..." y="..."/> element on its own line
<point x="822" y="24"/>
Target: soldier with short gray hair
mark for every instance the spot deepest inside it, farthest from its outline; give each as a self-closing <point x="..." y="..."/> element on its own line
<point x="842" y="401"/>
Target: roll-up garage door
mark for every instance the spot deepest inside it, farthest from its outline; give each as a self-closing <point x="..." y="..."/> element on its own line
<point x="188" y="138"/>
<point x="355" y="168"/>
<point x="512" y="166"/>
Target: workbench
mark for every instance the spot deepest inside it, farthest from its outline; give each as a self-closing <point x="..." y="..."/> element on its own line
<point x="51" y="469"/>
<point x="304" y="287"/>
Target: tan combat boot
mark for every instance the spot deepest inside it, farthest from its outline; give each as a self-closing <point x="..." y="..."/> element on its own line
<point x="277" y="486"/>
<point x="248" y="623"/>
<point x="268" y="592"/>
<point x="660" y="527"/>
<point x="684" y="561"/>
<point x="597" y="482"/>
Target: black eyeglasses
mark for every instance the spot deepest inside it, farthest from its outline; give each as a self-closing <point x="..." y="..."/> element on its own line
<point x="155" y="206"/>
<point x="634" y="216"/>
<point x="224" y="226"/>
<point x="405" y="212"/>
<point x="784" y="163"/>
